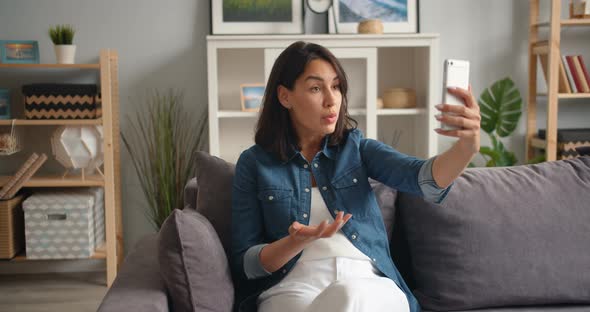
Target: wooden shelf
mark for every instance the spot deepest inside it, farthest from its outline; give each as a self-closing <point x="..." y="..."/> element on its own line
<point x="52" y="122"/>
<point x="52" y="66"/>
<point x="553" y="64"/>
<point x="99" y="253"/>
<point x="569" y="95"/>
<point x="567" y="22"/>
<point x="400" y="111"/>
<point x="58" y="181"/>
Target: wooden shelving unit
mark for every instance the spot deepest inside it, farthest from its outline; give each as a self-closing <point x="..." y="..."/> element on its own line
<point x="107" y="68"/>
<point x="551" y="47"/>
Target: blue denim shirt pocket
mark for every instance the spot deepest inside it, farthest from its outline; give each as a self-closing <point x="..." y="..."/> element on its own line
<point x="276" y="209"/>
<point x="353" y="192"/>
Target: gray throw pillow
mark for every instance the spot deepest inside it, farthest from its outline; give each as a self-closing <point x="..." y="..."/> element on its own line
<point x="503" y="237"/>
<point x="214" y="180"/>
<point x="193" y="264"/>
<point x="386" y="200"/>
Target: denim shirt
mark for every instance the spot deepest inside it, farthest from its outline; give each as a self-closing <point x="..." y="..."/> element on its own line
<point x="269" y="194"/>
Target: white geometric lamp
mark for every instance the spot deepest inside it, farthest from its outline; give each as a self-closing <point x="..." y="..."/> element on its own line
<point x="78" y="147"/>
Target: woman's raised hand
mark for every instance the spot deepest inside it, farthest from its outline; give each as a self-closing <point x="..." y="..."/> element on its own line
<point x="309" y="233"/>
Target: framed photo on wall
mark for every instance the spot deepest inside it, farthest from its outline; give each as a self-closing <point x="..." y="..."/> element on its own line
<point x="251" y="95"/>
<point x="397" y="16"/>
<point x="257" y="16"/>
<point x="19" y="52"/>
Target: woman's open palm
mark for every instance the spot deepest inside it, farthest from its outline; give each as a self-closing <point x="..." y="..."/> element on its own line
<point x="308" y="233"/>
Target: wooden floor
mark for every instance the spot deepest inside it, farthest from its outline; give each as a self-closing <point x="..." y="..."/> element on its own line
<point x="52" y="292"/>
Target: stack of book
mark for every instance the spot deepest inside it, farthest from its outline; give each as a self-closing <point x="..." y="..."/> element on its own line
<point x="573" y="75"/>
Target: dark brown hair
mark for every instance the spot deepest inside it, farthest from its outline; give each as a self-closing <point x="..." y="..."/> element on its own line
<point x="274" y="131"/>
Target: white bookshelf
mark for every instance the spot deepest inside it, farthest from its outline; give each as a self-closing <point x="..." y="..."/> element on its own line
<point x="373" y="63"/>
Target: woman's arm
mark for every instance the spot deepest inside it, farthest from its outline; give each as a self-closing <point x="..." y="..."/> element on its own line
<point x="450" y="164"/>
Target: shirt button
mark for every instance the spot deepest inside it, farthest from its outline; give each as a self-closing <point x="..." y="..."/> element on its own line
<point x="315" y="165"/>
<point x="305" y="215"/>
<point x="306" y="190"/>
<point x="324" y="188"/>
<point x="353" y="236"/>
<point x="354" y="180"/>
<point x="374" y="260"/>
<point x="271" y="197"/>
<point x="284" y="271"/>
<point x="305" y="166"/>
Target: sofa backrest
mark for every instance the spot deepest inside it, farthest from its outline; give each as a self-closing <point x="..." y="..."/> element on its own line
<point x="503" y="236"/>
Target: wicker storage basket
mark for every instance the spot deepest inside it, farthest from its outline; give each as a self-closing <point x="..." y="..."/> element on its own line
<point x="568" y="140"/>
<point x="61" y="101"/>
<point x="12" y="232"/>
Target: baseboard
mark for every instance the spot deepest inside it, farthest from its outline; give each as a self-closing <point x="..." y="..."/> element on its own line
<point x="52" y="266"/>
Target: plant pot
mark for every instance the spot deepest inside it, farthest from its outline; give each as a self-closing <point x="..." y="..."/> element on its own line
<point x="65" y="53"/>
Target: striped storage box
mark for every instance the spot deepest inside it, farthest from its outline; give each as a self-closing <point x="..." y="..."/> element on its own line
<point x="62" y="101"/>
<point x="12" y="232"/>
<point x="568" y="140"/>
<point x="65" y="224"/>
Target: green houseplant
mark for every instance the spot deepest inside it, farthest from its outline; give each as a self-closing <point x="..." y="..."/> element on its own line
<point x="62" y="37"/>
<point x="500" y="108"/>
<point x="162" y="141"/>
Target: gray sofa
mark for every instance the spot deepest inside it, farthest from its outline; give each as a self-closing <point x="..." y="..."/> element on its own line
<point x="513" y="239"/>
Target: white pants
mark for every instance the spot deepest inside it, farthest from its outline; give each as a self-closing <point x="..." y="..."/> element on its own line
<point x="334" y="284"/>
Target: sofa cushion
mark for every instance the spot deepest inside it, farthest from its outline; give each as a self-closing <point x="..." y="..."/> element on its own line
<point x="193" y="264"/>
<point x="138" y="278"/>
<point x="504" y="236"/>
<point x="214" y="182"/>
<point x="386" y="200"/>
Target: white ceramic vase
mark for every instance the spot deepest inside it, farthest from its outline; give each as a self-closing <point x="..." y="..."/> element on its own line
<point x="65" y="53"/>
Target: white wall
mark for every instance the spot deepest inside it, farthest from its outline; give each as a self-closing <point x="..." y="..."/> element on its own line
<point x="162" y="44"/>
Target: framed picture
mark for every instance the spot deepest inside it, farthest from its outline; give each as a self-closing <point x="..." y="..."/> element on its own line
<point x="4" y="104"/>
<point x="397" y="16"/>
<point x="251" y="96"/>
<point x="257" y="16"/>
<point x="19" y="52"/>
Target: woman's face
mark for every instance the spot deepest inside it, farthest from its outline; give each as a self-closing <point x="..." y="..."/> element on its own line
<point x="314" y="103"/>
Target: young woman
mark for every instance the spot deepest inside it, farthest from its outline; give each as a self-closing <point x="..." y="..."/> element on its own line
<point x="307" y="234"/>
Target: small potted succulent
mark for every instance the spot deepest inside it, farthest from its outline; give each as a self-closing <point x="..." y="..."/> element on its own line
<point x="63" y="37"/>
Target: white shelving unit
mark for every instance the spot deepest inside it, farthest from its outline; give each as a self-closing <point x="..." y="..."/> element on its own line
<point x="373" y="64"/>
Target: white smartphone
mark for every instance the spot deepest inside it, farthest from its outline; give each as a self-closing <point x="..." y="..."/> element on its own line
<point x="456" y="74"/>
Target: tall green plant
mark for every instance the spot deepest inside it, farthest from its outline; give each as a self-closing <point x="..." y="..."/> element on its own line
<point x="500" y="107"/>
<point x="62" y="34"/>
<point x="162" y="141"/>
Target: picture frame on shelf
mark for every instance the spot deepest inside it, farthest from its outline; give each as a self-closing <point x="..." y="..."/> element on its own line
<point x="19" y="52"/>
<point x="397" y="16"/>
<point x="251" y="95"/>
<point x="4" y="103"/>
<point x="263" y="17"/>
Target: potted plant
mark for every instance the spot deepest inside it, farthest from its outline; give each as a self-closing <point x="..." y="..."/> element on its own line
<point x="162" y="141"/>
<point x="63" y="37"/>
<point x="500" y="107"/>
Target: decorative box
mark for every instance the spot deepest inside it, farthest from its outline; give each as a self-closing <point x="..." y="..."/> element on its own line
<point x="568" y="140"/>
<point x="12" y="232"/>
<point x="64" y="224"/>
<point x="61" y="101"/>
